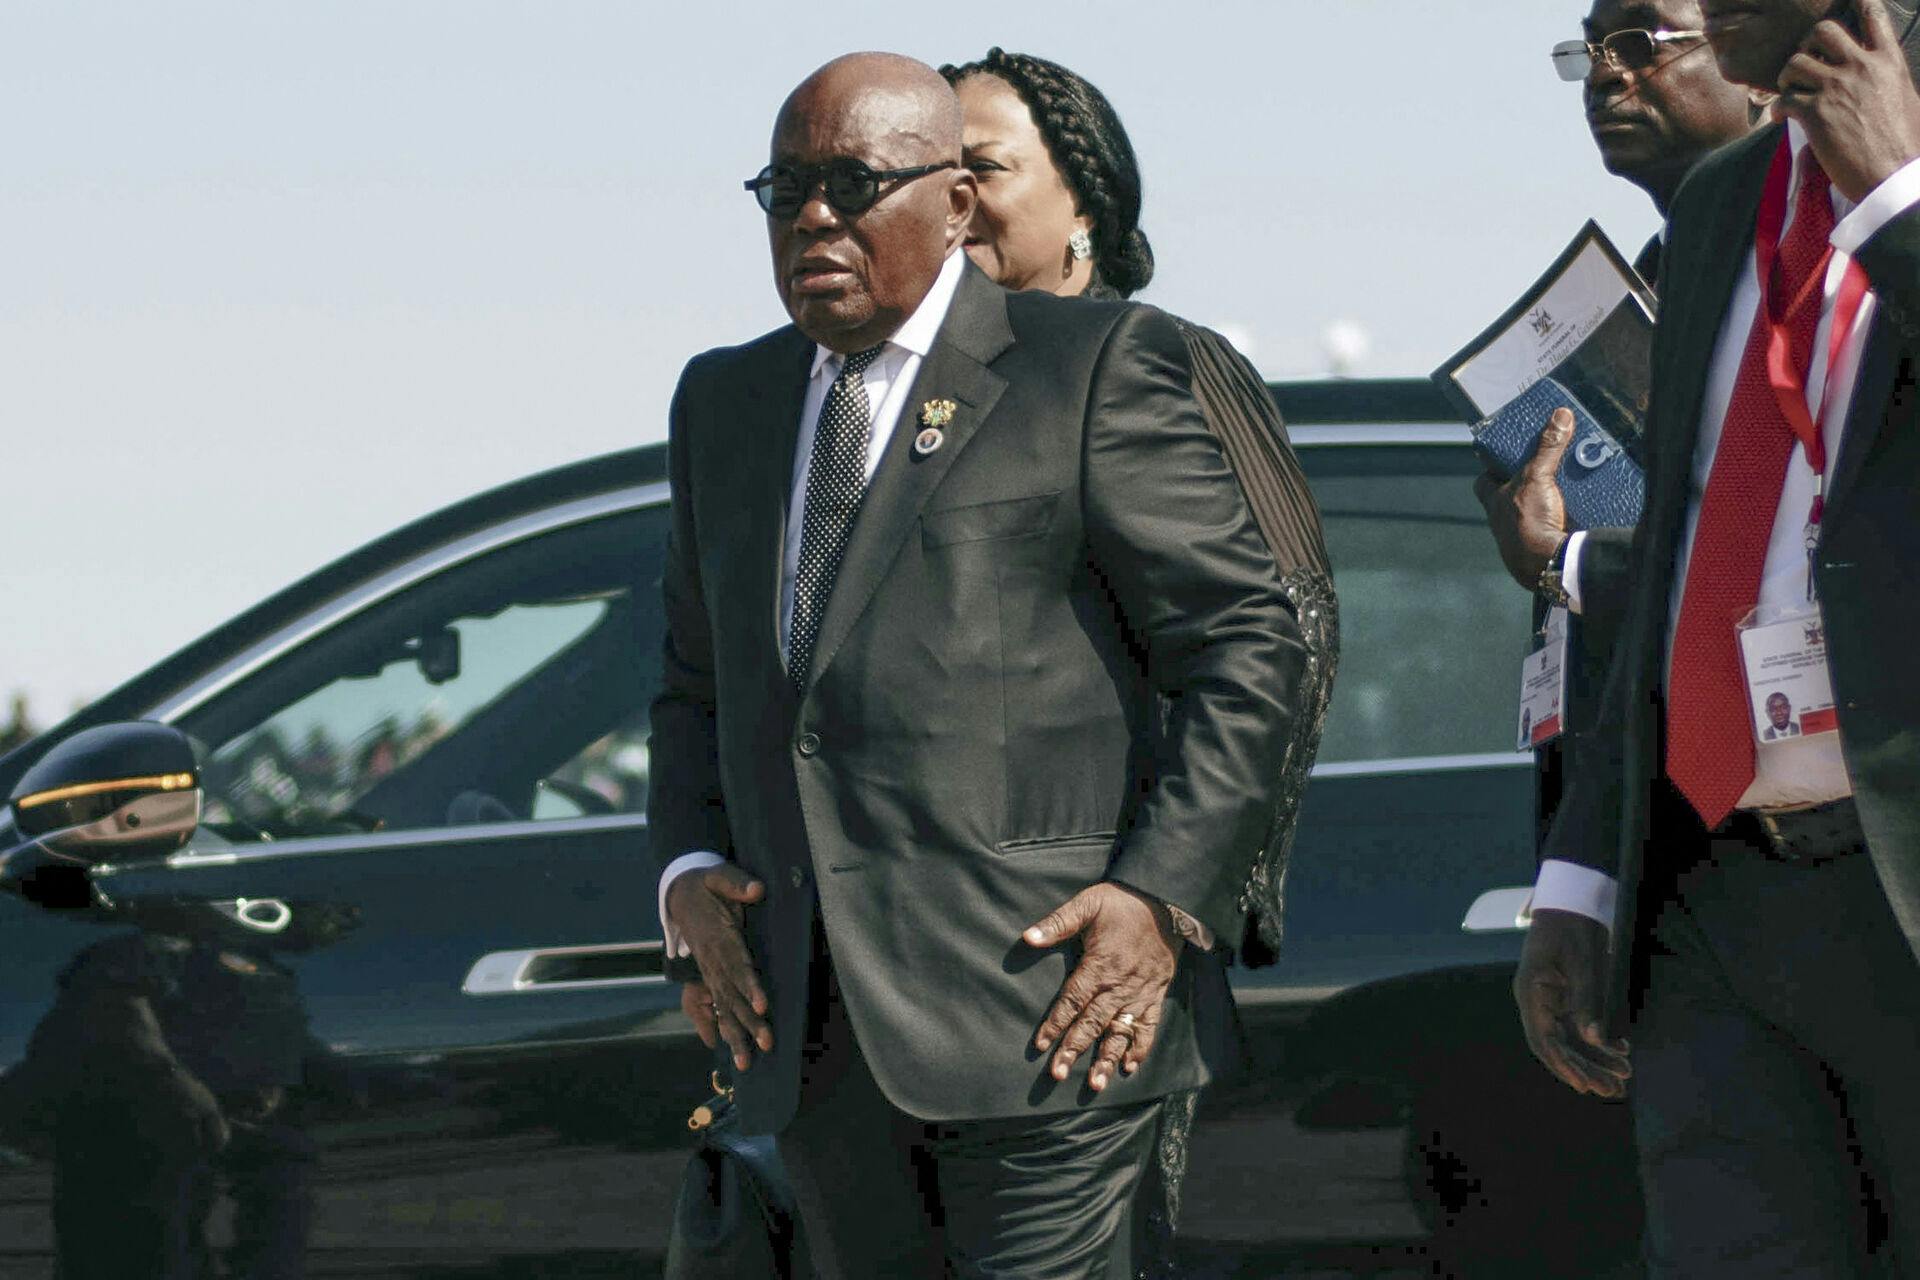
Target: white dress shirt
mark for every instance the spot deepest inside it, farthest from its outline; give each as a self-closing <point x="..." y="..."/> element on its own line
<point x="1799" y="771"/>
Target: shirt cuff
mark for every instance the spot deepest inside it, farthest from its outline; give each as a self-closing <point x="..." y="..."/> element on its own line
<point x="698" y="860"/>
<point x="1883" y="204"/>
<point x="1570" y="571"/>
<point x="1568" y="886"/>
<point x="1187" y="926"/>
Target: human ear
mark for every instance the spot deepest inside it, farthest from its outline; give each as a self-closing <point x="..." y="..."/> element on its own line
<point x="963" y="197"/>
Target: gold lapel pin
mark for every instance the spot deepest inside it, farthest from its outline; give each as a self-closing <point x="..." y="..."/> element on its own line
<point x="934" y="415"/>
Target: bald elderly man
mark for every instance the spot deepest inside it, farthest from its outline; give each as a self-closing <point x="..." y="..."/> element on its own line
<point x="939" y="552"/>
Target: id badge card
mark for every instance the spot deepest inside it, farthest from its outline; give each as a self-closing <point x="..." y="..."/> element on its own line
<point x="1788" y="683"/>
<point x="1543" y="684"/>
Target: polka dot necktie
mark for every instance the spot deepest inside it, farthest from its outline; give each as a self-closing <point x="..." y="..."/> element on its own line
<point x="836" y="483"/>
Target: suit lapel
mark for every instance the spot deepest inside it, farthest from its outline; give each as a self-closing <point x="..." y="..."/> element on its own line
<point x="1872" y="390"/>
<point x="976" y="331"/>
<point x="1701" y="304"/>
<point x="1701" y="265"/>
<point x="769" y="434"/>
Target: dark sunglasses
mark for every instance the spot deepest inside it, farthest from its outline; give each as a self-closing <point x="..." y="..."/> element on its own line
<point x="851" y="187"/>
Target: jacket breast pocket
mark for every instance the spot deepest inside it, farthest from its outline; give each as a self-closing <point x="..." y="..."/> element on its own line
<point x="989" y="521"/>
<point x="1085" y="845"/>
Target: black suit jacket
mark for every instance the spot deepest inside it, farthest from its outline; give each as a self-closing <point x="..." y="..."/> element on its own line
<point x="1616" y="817"/>
<point x="976" y="743"/>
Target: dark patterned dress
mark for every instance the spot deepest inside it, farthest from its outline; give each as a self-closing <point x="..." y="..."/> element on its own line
<point x="1242" y="414"/>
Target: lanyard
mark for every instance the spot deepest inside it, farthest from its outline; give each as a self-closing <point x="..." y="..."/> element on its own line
<point x="1784" y="371"/>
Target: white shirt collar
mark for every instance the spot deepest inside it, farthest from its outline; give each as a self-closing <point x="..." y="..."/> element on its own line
<point x="917" y="334"/>
<point x="1796" y="138"/>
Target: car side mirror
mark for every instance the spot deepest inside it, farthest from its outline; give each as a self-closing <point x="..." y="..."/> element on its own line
<point x="115" y="792"/>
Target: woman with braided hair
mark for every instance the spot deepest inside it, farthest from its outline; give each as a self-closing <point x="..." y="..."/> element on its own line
<point x="1060" y="210"/>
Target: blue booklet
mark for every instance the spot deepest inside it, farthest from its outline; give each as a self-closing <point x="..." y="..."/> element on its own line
<point x="1580" y="338"/>
<point x="1600" y="480"/>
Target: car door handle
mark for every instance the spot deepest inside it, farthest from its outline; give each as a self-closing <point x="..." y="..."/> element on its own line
<point x="1500" y="910"/>
<point x="614" y="964"/>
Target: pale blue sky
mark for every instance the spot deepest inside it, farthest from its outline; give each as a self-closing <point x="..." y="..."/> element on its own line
<point x="275" y="278"/>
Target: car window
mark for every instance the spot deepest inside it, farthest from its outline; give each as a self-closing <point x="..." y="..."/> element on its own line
<point x="1432" y="630"/>
<point x="514" y="686"/>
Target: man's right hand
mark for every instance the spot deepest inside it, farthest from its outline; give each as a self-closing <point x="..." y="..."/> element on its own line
<point x="708" y="910"/>
<point x="1528" y="514"/>
<point x="1562" y="972"/>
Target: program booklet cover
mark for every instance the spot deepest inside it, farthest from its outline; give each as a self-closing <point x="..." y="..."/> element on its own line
<point x="1586" y="327"/>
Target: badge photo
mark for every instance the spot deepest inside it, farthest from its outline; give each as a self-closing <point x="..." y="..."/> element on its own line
<point x="1543" y="685"/>
<point x="934" y="416"/>
<point x="1788" y="683"/>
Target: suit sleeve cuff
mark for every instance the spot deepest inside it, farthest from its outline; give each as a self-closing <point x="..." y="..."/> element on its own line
<point x="1570" y="570"/>
<point x="698" y="860"/>
<point x="1568" y="886"/>
<point x="1883" y="204"/>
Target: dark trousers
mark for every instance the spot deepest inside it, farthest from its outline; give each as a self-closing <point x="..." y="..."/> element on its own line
<point x="1776" y="1059"/>
<point x="882" y="1194"/>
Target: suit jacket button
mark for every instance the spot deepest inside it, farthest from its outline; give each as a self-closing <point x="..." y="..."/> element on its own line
<point x="809" y="744"/>
<point x="796" y="877"/>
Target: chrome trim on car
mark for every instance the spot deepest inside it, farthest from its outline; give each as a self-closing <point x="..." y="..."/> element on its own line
<point x="1505" y="910"/>
<point x="306" y="846"/>
<point x="500" y="973"/>
<point x="1386" y="433"/>
<point x="1424" y="764"/>
<point x="397" y="579"/>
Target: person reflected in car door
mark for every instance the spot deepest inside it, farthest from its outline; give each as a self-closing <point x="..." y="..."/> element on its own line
<point x="167" y="1068"/>
<point x="1060" y="205"/>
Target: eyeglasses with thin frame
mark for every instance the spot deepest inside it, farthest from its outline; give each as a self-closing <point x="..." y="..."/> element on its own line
<point x="851" y="186"/>
<point x="1631" y="50"/>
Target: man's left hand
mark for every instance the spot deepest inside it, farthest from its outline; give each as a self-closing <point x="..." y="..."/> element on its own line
<point x="696" y="1001"/>
<point x="1129" y="958"/>
<point x="1856" y="100"/>
<point x="1528" y="514"/>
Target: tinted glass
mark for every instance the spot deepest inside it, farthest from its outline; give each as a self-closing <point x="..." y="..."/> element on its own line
<point x="514" y="686"/>
<point x="1432" y="630"/>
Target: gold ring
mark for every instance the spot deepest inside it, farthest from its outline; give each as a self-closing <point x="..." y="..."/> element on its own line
<point x="1124" y="1021"/>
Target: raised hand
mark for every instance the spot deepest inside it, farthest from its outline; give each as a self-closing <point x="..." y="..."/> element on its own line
<point x="1855" y="98"/>
<point x="708" y="909"/>
<point x="1528" y="514"/>
<point x="1128" y="958"/>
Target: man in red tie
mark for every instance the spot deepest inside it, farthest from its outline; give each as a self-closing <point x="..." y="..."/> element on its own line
<point x="1746" y="906"/>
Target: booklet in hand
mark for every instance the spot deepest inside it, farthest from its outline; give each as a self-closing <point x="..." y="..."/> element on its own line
<point x="1582" y="338"/>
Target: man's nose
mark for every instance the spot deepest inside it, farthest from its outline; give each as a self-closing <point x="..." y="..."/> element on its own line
<point x="1604" y="79"/>
<point x="816" y="214"/>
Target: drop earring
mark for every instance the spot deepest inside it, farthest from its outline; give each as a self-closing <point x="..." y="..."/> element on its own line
<point x="1080" y="244"/>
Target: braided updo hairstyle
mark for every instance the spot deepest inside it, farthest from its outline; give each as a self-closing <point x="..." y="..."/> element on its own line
<point x="1091" y="150"/>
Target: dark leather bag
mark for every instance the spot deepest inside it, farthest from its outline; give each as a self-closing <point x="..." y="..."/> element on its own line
<point x="734" y="1216"/>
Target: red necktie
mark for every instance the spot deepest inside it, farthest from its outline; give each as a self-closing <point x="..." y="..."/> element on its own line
<point x="1710" y="749"/>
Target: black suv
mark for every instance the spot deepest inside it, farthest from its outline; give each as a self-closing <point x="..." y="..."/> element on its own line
<point x="419" y="906"/>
